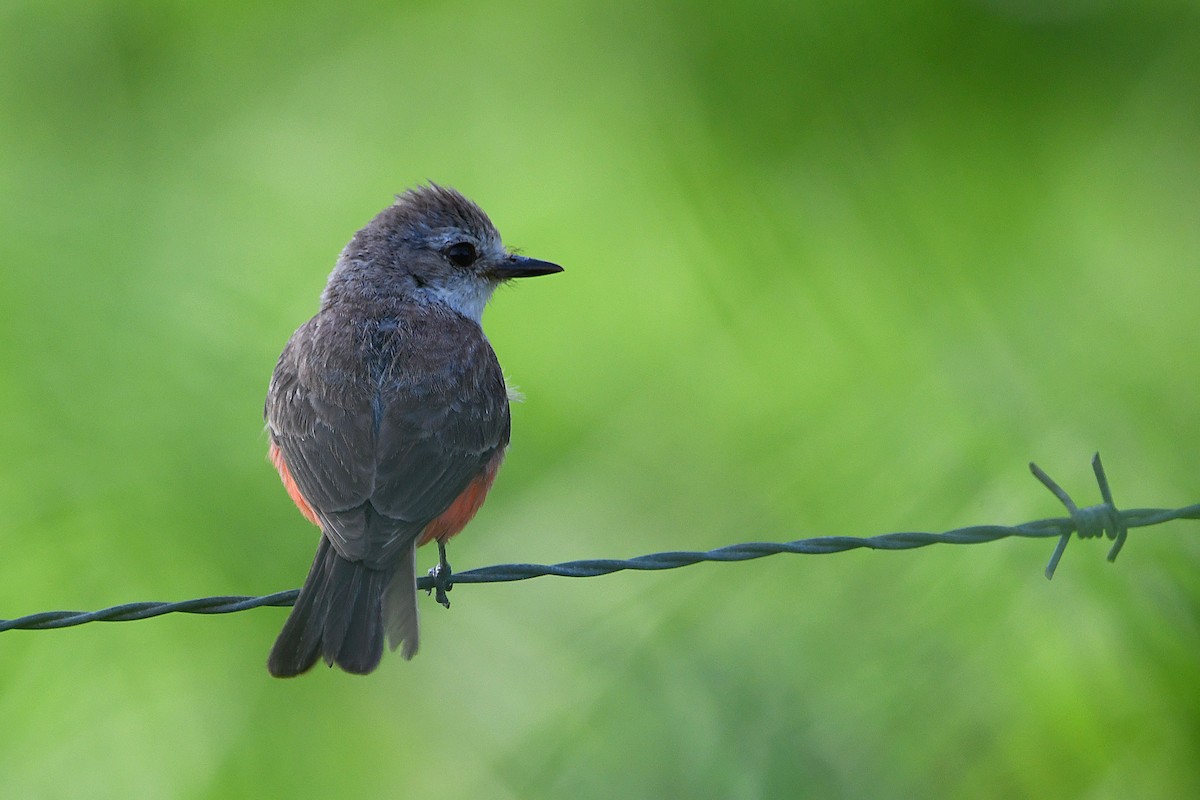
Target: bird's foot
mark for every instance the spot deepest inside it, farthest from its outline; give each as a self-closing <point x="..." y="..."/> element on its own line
<point x="442" y="576"/>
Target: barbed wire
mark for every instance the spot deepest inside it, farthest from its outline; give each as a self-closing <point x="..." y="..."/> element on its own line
<point x="1089" y="522"/>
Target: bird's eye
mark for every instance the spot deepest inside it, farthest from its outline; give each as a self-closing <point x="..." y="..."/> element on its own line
<point x="461" y="254"/>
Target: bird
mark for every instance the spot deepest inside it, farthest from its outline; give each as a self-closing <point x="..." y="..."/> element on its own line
<point x="388" y="418"/>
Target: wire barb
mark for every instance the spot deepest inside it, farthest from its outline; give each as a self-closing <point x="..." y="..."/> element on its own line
<point x="1090" y="522"/>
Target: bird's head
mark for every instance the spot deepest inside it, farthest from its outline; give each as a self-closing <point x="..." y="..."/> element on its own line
<point x="435" y="245"/>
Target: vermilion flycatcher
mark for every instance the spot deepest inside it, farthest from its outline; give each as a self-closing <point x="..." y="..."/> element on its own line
<point x="388" y="419"/>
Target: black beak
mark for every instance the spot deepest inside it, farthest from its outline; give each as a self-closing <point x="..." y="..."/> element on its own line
<point x="522" y="267"/>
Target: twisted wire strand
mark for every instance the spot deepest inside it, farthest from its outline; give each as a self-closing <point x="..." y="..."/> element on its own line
<point x="1087" y="522"/>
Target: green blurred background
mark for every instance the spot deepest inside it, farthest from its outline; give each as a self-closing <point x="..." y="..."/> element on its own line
<point x="831" y="269"/>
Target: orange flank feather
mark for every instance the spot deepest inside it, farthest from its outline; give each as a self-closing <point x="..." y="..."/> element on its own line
<point x="448" y="524"/>
<point x="289" y="483"/>
<point x="463" y="509"/>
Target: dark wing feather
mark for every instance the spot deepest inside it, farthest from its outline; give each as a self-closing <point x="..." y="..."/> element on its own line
<point x="400" y="416"/>
<point x="444" y="417"/>
<point x="320" y="419"/>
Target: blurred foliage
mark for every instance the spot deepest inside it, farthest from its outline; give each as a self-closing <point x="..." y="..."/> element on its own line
<point x="831" y="269"/>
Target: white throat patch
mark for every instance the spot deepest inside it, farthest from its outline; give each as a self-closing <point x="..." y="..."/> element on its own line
<point x="467" y="297"/>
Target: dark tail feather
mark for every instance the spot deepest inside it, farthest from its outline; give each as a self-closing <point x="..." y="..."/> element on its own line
<point x="338" y="615"/>
<point x="400" y="605"/>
